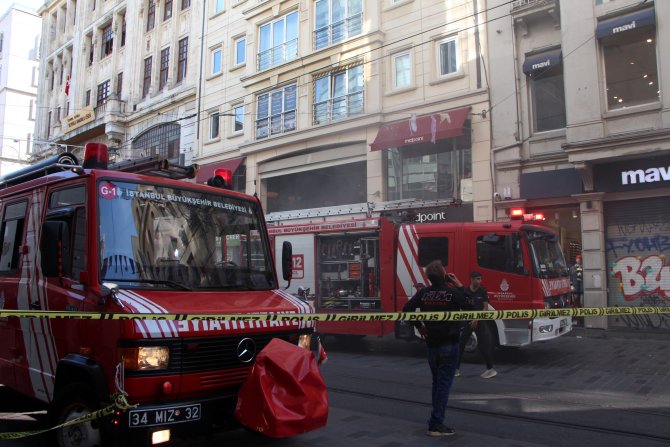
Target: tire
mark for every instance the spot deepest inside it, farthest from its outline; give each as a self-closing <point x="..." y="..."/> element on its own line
<point x="472" y="345"/>
<point x="73" y="401"/>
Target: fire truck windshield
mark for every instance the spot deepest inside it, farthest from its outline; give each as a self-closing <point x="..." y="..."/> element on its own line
<point x="161" y="237"/>
<point x="548" y="260"/>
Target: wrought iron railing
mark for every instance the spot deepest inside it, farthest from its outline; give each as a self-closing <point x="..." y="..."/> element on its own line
<point x="278" y="55"/>
<point x="338" y="108"/>
<point x="338" y="31"/>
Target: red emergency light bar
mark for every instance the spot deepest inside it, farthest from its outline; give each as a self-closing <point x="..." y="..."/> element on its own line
<point x="223" y="178"/>
<point x="95" y="156"/>
<point x="516" y="213"/>
<point x="519" y="213"/>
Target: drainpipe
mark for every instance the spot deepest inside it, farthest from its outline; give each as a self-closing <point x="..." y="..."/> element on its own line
<point x="202" y="50"/>
<point x="478" y="53"/>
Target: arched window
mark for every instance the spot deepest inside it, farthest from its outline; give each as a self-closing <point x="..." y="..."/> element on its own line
<point x="161" y="140"/>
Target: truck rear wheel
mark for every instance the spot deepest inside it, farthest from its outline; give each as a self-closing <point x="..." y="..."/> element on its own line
<point x="71" y="402"/>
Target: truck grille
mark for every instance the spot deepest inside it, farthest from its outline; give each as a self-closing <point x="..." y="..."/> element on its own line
<point x="198" y="355"/>
<point x="211" y="354"/>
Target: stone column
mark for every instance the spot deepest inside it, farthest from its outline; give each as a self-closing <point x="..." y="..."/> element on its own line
<point x="593" y="255"/>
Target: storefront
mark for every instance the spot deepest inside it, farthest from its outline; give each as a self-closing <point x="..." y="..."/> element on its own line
<point x="637" y="237"/>
<point x="428" y="157"/>
<point x="551" y="193"/>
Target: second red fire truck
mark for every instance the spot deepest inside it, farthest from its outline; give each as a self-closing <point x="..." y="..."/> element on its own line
<point x="375" y="265"/>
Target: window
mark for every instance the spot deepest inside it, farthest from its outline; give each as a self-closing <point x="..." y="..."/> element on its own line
<point x="49" y="123"/>
<point x="151" y="15"/>
<point x="35" y="77"/>
<point x="313" y="188"/>
<point x="337" y="20"/>
<point x="31" y="110"/>
<point x="185" y="4"/>
<point x="214" y="120"/>
<point x="146" y="80"/>
<point x="182" y="61"/>
<point x="53" y="78"/>
<point x="278" y="41"/>
<point x="107" y="40"/>
<point x="216" y="61"/>
<point x="275" y="112"/>
<point x="631" y="70"/>
<point x="167" y="10"/>
<point x="103" y="92"/>
<point x="163" y="140"/>
<point x="89" y="44"/>
<point x="402" y="70"/>
<point x="165" y="67"/>
<point x="123" y="31"/>
<point x="12" y="235"/>
<point x="447" y="57"/>
<point x="501" y="253"/>
<point x="338" y="95"/>
<point x="240" y="51"/>
<point x="119" y="84"/>
<point x="68" y="207"/>
<point x="432" y="248"/>
<point x="430" y="171"/>
<point x="238" y="119"/>
<point x="218" y="6"/>
<point x="87" y="98"/>
<point x="548" y="98"/>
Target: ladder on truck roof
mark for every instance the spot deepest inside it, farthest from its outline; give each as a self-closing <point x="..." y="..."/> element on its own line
<point x="152" y="165"/>
<point x="370" y="209"/>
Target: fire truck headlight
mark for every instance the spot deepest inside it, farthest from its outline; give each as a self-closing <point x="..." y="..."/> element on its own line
<point x="146" y="358"/>
<point x="305" y="341"/>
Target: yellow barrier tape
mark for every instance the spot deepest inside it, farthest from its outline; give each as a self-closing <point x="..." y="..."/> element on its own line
<point x="351" y="316"/>
<point x="120" y="402"/>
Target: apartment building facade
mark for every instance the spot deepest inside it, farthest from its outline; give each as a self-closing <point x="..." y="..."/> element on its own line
<point x="122" y="73"/>
<point x="20" y="29"/>
<point x="581" y="131"/>
<point x="334" y="110"/>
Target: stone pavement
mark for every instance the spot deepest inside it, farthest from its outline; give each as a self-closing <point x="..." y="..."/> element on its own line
<point x="611" y="372"/>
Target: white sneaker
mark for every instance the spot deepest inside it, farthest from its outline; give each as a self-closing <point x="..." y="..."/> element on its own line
<point x="457" y="373"/>
<point x="489" y="373"/>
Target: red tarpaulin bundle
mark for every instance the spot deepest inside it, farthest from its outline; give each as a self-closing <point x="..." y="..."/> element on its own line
<point x="285" y="394"/>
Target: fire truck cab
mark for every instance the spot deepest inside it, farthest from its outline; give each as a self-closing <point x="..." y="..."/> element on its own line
<point x="375" y="265"/>
<point x="90" y="239"/>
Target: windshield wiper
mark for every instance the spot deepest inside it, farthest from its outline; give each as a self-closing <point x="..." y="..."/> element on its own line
<point x="165" y="282"/>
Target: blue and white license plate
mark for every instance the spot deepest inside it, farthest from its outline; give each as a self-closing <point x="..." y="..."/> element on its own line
<point x="164" y="415"/>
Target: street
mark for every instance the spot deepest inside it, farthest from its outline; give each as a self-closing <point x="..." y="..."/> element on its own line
<point x="600" y="389"/>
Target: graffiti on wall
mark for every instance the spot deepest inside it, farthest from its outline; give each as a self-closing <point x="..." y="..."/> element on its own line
<point x="639" y="271"/>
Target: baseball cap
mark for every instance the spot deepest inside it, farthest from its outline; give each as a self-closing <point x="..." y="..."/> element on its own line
<point x="475" y="275"/>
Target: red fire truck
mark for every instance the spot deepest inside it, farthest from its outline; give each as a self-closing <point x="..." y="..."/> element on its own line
<point x="369" y="265"/>
<point x="87" y="238"/>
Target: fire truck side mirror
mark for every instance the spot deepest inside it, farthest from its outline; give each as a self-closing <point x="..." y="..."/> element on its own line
<point x="287" y="261"/>
<point x="55" y="248"/>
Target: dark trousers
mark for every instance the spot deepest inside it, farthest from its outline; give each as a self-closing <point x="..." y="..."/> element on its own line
<point x="442" y="361"/>
<point x="484" y="342"/>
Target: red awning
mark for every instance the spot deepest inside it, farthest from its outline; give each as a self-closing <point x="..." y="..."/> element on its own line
<point x="207" y="171"/>
<point x="422" y="129"/>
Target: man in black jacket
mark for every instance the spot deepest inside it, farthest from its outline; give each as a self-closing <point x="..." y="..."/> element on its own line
<point x="478" y="299"/>
<point x="444" y="294"/>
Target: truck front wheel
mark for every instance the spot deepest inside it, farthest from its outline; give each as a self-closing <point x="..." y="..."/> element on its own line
<point x="73" y="401"/>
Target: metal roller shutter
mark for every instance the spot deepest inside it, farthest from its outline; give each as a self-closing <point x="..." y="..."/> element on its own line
<point x="638" y="257"/>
